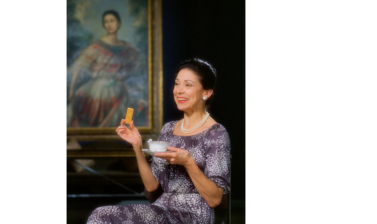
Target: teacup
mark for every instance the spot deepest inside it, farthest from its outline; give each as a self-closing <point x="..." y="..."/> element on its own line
<point x="157" y="146"/>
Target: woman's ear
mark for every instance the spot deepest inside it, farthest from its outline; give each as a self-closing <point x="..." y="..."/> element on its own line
<point x="208" y="93"/>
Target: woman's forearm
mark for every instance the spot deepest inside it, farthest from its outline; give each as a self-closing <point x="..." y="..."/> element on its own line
<point x="149" y="181"/>
<point x="206" y="188"/>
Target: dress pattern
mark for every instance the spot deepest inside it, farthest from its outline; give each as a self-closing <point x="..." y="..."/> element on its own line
<point x="180" y="202"/>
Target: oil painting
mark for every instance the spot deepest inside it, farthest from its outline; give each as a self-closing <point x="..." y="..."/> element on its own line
<point x="108" y="61"/>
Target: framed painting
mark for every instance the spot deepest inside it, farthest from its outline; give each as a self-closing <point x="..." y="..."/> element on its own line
<point x="114" y="62"/>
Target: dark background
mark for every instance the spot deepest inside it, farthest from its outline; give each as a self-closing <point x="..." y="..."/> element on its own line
<point x="213" y="31"/>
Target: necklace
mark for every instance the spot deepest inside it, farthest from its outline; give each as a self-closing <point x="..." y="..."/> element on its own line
<point x="188" y="131"/>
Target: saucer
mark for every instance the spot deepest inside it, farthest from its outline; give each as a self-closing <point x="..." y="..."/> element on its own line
<point x="153" y="152"/>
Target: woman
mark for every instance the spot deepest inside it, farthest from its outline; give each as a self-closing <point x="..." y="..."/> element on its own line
<point x="97" y="93"/>
<point x="196" y="174"/>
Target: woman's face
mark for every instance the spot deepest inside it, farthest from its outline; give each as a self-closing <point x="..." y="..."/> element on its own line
<point x="111" y="23"/>
<point x="188" y="91"/>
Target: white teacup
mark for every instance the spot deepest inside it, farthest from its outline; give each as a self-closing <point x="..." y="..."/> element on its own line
<point x="157" y="146"/>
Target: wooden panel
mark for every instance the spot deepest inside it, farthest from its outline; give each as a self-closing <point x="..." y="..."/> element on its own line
<point x="86" y="178"/>
<point x="98" y="153"/>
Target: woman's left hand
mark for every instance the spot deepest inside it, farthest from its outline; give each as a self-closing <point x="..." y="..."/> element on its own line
<point x="177" y="156"/>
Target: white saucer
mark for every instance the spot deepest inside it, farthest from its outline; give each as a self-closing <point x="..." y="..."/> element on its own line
<point x="153" y="152"/>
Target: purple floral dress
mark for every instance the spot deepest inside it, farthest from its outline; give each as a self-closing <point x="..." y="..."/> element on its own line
<point x="180" y="202"/>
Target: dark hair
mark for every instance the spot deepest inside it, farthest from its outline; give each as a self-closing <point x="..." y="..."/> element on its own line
<point x="112" y="12"/>
<point x="206" y="73"/>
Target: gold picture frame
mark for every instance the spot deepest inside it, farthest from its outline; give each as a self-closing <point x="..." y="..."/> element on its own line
<point x="155" y="80"/>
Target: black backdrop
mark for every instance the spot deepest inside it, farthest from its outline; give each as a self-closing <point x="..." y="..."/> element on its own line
<point x="214" y="31"/>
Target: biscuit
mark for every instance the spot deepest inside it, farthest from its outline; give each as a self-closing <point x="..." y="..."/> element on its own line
<point x="128" y="119"/>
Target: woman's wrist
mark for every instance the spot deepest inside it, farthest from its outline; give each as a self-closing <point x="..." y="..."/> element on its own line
<point x="137" y="147"/>
<point x="190" y="162"/>
<point x="138" y="151"/>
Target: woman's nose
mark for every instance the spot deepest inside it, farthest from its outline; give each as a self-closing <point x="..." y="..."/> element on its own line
<point x="179" y="89"/>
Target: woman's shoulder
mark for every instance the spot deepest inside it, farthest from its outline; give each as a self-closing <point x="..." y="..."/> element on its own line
<point x="170" y="123"/>
<point x="103" y="44"/>
<point x="94" y="47"/>
<point x="168" y="127"/>
<point x="217" y="131"/>
<point x="217" y="128"/>
<point x="89" y="54"/>
<point x="128" y="44"/>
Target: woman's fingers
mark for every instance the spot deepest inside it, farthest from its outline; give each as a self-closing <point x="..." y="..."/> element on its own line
<point x="174" y="149"/>
<point x="122" y="122"/>
<point x="165" y="155"/>
<point x="121" y="125"/>
<point x="122" y="130"/>
<point x="132" y="126"/>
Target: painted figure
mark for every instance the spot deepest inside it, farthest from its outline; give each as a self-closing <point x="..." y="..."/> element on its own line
<point x="98" y="95"/>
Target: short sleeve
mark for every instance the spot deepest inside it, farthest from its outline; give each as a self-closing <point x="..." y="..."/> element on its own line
<point x="159" y="165"/>
<point x="217" y="168"/>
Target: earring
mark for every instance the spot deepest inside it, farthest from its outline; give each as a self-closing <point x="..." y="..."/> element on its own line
<point x="205" y="97"/>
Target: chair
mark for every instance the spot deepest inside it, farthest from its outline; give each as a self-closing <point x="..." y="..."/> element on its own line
<point x="222" y="211"/>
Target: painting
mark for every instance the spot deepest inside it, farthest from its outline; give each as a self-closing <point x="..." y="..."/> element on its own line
<point x="112" y="65"/>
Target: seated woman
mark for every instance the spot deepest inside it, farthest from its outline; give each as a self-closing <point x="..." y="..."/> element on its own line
<point x="196" y="174"/>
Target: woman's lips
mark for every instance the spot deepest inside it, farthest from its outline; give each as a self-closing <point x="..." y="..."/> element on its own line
<point x="181" y="100"/>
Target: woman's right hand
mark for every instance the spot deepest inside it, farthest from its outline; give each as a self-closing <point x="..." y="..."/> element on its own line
<point x="131" y="135"/>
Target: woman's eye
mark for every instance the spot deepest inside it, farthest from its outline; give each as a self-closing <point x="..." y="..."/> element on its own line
<point x="188" y="85"/>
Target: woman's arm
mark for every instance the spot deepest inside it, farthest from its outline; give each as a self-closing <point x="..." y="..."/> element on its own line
<point x="206" y="188"/>
<point x="133" y="137"/>
<point x="149" y="181"/>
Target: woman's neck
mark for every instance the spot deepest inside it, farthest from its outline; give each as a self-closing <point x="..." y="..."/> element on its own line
<point x="111" y="38"/>
<point x="193" y="118"/>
